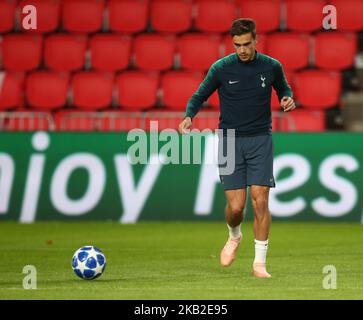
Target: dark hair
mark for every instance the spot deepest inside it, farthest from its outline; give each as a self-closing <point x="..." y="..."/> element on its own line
<point x="243" y="26"/>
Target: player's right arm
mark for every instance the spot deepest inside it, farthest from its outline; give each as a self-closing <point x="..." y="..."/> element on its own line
<point x="205" y="90"/>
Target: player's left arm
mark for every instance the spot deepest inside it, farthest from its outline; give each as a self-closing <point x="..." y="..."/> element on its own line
<point x="283" y="89"/>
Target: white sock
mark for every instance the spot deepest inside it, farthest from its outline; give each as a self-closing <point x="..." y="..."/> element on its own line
<point x="234" y="232"/>
<point x="260" y="251"/>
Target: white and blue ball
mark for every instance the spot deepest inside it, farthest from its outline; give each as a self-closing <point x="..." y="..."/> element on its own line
<point x="88" y="262"/>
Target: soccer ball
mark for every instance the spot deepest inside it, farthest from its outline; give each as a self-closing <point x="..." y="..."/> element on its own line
<point x="88" y="262"/>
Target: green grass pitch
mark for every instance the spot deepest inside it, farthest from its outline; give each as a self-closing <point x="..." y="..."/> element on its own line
<point x="180" y="261"/>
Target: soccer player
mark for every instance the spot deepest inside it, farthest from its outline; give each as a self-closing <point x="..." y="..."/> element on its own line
<point x="244" y="81"/>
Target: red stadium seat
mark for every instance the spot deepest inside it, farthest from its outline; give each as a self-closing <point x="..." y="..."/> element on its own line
<point x="128" y="16"/>
<point x="73" y="120"/>
<point x="154" y="52"/>
<point x="335" y="51"/>
<point x="349" y="14"/>
<point x="318" y="89"/>
<point x="215" y="16"/>
<point x="261" y="43"/>
<point x="260" y="46"/>
<point x="115" y="120"/>
<point x="48" y="15"/>
<point x="110" y="52"/>
<point x="107" y="120"/>
<point x="167" y="120"/>
<point x="206" y="120"/>
<point x="198" y="51"/>
<point x="302" y="120"/>
<point x="21" y="52"/>
<point x="213" y="100"/>
<point x="163" y="118"/>
<point x="178" y="87"/>
<point x="275" y="103"/>
<point x="10" y="90"/>
<point x="266" y="13"/>
<point x="92" y="90"/>
<point x="275" y="121"/>
<point x="7" y="15"/>
<point x="137" y="90"/>
<point x="28" y="121"/>
<point x="291" y="49"/>
<point x="65" y="52"/>
<point x="83" y="16"/>
<point x="46" y="90"/>
<point x="171" y="15"/>
<point x="304" y="15"/>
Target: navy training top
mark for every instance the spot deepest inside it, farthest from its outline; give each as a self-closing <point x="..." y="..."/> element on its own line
<point x="244" y="90"/>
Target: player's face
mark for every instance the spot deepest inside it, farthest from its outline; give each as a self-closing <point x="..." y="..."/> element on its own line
<point x="245" y="46"/>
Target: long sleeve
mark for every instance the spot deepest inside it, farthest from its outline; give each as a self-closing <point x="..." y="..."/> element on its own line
<point x="280" y="84"/>
<point x="205" y="90"/>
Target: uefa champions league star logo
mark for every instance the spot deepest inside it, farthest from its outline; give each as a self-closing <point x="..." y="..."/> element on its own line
<point x="263" y="81"/>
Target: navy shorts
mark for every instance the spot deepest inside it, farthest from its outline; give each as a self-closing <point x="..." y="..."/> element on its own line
<point x="253" y="162"/>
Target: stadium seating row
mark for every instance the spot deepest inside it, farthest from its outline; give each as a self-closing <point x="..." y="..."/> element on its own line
<point x="111" y="120"/>
<point x="174" y="16"/>
<point x="137" y="90"/>
<point x="95" y="55"/>
<point x="155" y="52"/>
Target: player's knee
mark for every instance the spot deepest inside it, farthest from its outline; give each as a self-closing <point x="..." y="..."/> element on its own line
<point x="236" y="209"/>
<point x="260" y="205"/>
